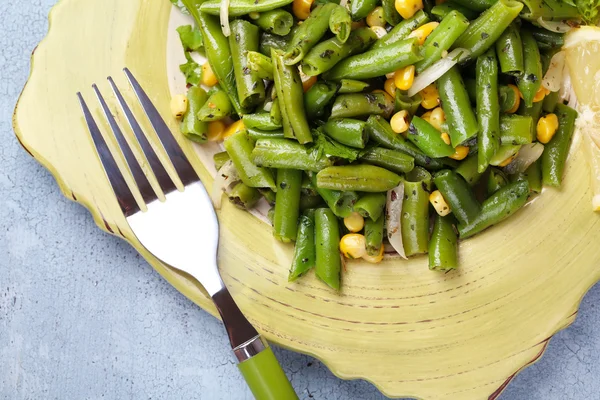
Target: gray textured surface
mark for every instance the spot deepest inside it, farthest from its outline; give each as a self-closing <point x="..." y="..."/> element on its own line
<point x="82" y="316"/>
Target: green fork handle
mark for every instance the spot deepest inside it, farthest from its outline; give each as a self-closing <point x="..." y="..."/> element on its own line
<point x="266" y="379"/>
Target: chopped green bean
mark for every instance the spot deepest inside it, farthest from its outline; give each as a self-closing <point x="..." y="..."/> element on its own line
<point x="304" y="253"/>
<point x="364" y="178"/>
<point x="287" y="204"/>
<point x="415" y="212"/>
<point x="371" y="205"/>
<point x="239" y="146"/>
<point x="350" y="132"/>
<point x="556" y="151"/>
<point x="443" y="247"/>
<point x="458" y="195"/>
<point x="392" y="160"/>
<point x="327" y="243"/>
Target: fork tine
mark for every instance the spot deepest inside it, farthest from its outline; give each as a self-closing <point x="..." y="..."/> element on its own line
<point x="159" y="170"/>
<point x="124" y="196"/>
<point x="140" y="178"/>
<point x="178" y="158"/>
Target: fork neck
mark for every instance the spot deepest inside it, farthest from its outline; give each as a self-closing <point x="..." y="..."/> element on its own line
<point x="240" y="331"/>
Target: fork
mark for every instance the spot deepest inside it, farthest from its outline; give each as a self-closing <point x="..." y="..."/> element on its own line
<point x="182" y="231"/>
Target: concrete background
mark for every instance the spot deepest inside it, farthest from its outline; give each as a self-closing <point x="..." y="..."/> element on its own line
<point x="82" y="316"/>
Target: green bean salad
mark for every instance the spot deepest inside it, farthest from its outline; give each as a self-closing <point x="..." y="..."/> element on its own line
<point x="379" y="126"/>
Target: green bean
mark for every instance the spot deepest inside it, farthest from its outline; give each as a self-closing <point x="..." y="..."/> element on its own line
<point x="220" y="159"/>
<point x="357" y="105"/>
<point x="192" y="127"/>
<point x="441" y="10"/>
<point x="550" y="39"/>
<point x="458" y="195"/>
<point x="239" y="146"/>
<point x="392" y="160"/>
<point x="309" y="33"/>
<point x="471" y="87"/>
<point x="515" y="129"/>
<point x="556" y="151"/>
<point x="261" y="65"/>
<point x="326" y="54"/>
<point x="443" y="246"/>
<point x="378" y="62"/>
<point x="327" y="238"/>
<point x="488" y="27"/>
<point x="350" y="132"/>
<point x="290" y="95"/>
<point x="496" y="181"/>
<point x="317" y="98"/>
<point x="238" y="8"/>
<point x="364" y="178"/>
<point x="548" y="9"/>
<point x="550" y="102"/>
<point x="243" y="196"/>
<point x="390" y="15"/>
<point x="269" y="195"/>
<point x="371" y="205"/>
<point x="530" y="81"/>
<point x="428" y="139"/>
<point x="509" y="99"/>
<point x="505" y="151"/>
<point x="309" y="201"/>
<point x="476" y="5"/>
<point x="404" y="102"/>
<point x="441" y="39"/>
<point x="287" y="205"/>
<point x="469" y="170"/>
<point x="510" y="50"/>
<point x="284" y="153"/>
<point x="534" y="112"/>
<point x="351" y="86"/>
<point x="461" y="119"/>
<point x="402" y="30"/>
<point x="359" y="9"/>
<point x="374" y="235"/>
<point x="256" y="134"/>
<point x="219" y="56"/>
<point x="218" y="106"/>
<point x="341" y="203"/>
<point x="262" y="121"/>
<point x="278" y="22"/>
<point x="270" y="41"/>
<point x="275" y="112"/>
<point x="415" y="212"/>
<point x="340" y="23"/>
<point x="488" y="108"/>
<point x="304" y="253"/>
<point x="499" y="206"/>
<point x="244" y="38"/>
<point x="534" y="176"/>
<point x="381" y="132"/>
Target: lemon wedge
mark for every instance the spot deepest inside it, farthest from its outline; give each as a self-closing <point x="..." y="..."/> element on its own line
<point x="582" y="49"/>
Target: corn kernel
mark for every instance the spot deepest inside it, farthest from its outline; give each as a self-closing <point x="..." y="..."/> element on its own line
<point x="546" y="128"/>
<point x="308" y="82"/>
<point x="431" y="97"/>
<point x="354" y="222"/>
<point x="375" y="17"/>
<point x="518" y="96"/>
<point x="390" y="75"/>
<point x="460" y="153"/>
<point x="179" y="105"/>
<point x="379" y="31"/>
<point x="508" y="161"/>
<point x="426" y="116"/>
<point x="437" y="118"/>
<point x="439" y="203"/>
<point x="423" y="31"/>
<point x="376" y="259"/>
<point x="353" y="245"/>
<point x="390" y="87"/>
<point x="301" y="8"/>
<point x="254" y="15"/>
<point x="540" y="94"/>
<point x="408" y="8"/>
<point x="445" y="137"/>
<point x="234" y="128"/>
<point x="208" y="76"/>
<point x="404" y="78"/>
<point x="216" y="130"/>
<point x="400" y="121"/>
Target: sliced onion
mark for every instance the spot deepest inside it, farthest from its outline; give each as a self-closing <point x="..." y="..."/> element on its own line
<point x="224" y="14"/>
<point x="554" y="76"/>
<point x="393" y="214"/>
<point x="554" y="26"/>
<point x="344" y="3"/>
<point x="528" y="154"/>
<point x="572" y="98"/>
<point x="438" y="69"/>
<point x="224" y="181"/>
<point x="566" y="87"/>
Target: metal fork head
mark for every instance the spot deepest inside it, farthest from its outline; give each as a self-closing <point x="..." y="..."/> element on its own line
<point x="182" y="231"/>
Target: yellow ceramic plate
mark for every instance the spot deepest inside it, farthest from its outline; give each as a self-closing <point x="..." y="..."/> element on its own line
<point x="412" y="332"/>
